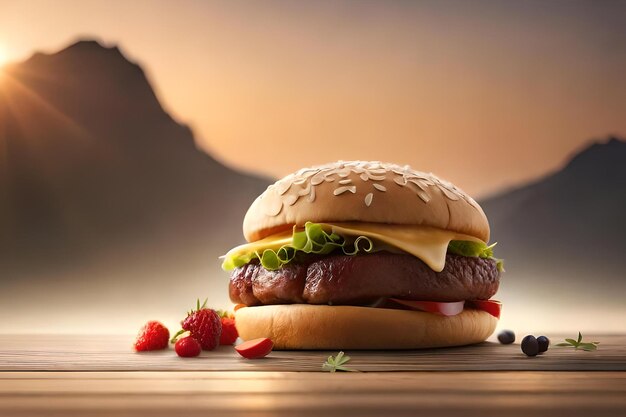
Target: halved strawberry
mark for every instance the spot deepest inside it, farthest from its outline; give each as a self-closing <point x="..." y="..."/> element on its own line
<point x="256" y="348"/>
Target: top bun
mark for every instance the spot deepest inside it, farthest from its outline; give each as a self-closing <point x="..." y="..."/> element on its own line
<point x="359" y="191"/>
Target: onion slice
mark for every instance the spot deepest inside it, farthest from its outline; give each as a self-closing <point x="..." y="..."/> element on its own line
<point x="446" y="309"/>
<point x="492" y="307"/>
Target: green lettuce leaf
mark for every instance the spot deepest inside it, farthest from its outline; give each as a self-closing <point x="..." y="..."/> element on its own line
<point x="475" y="249"/>
<point x="314" y="239"/>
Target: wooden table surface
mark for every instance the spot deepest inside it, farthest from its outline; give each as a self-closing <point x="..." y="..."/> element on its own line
<point x="100" y="376"/>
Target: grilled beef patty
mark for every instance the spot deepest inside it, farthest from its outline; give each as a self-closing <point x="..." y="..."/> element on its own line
<point x="364" y="279"/>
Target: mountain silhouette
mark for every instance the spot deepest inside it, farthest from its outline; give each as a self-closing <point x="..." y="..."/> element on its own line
<point x="564" y="234"/>
<point x="110" y="215"/>
<point x="93" y="171"/>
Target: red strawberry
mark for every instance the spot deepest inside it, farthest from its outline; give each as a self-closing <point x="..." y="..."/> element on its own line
<point x="229" y="331"/>
<point x="152" y="336"/>
<point x="204" y="325"/>
<point x="187" y="347"/>
<point x="256" y="348"/>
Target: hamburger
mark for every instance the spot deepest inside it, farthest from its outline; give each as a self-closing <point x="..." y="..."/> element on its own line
<point x="364" y="255"/>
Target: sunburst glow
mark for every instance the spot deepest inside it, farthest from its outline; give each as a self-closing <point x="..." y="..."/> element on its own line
<point x="3" y="55"/>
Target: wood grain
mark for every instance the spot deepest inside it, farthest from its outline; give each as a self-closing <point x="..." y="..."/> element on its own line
<point x="108" y="353"/>
<point x="101" y="376"/>
<point x="291" y="393"/>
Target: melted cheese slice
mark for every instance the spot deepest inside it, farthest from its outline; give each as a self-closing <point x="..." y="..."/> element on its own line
<point x="426" y="243"/>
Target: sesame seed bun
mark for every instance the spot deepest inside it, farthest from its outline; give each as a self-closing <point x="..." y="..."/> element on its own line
<point x="304" y="326"/>
<point x="358" y="191"/>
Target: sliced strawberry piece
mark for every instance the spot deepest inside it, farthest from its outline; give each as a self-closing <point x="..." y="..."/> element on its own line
<point x="492" y="307"/>
<point x="446" y="309"/>
<point x="255" y="348"/>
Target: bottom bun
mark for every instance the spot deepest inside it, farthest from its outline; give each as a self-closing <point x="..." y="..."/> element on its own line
<point x="305" y="326"/>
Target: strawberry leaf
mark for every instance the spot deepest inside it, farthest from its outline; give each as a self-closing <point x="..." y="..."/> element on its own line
<point x="175" y="337"/>
<point x="225" y="314"/>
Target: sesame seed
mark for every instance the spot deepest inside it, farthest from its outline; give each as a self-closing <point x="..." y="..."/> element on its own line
<point x="291" y="199"/>
<point x="283" y="186"/>
<point x="424" y="196"/>
<point x="311" y="197"/>
<point x="400" y="180"/>
<point x="341" y="190"/>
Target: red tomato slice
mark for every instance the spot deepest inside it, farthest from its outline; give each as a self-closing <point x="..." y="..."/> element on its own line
<point x="255" y="348"/>
<point x="492" y="307"/>
<point x="446" y="309"/>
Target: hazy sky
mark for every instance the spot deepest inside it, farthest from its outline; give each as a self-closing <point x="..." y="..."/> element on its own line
<point x="484" y="93"/>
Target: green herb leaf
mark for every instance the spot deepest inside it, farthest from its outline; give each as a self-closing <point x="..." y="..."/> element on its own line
<point x="329" y="367"/>
<point x="341" y="359"/>
<point x="334" y="364"/>
<point x="587" y="346"/>
<point x="579" y="344"/>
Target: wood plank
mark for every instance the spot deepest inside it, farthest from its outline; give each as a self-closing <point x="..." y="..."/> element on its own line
<point x="114" y="353"/>
<point x="297" y="382"/>
<point x="291" y="393"/>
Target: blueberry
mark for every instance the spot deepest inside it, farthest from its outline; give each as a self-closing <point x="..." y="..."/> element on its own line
<point x="530" y="346"/>
<point x="506" y="337"/>
<point x="543" y="343"/>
